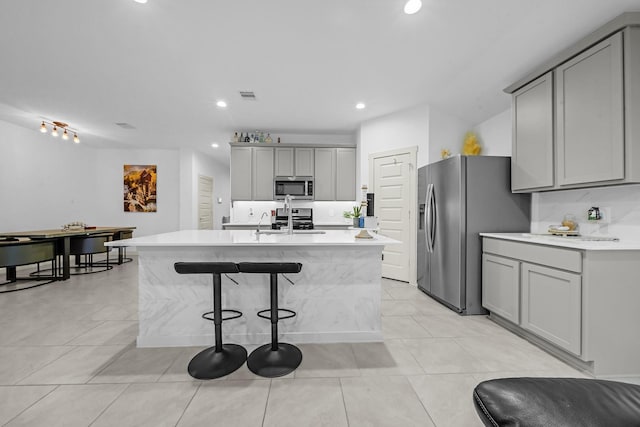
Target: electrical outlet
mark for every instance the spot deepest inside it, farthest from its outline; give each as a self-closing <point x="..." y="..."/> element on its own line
<point x="332" y="213"/>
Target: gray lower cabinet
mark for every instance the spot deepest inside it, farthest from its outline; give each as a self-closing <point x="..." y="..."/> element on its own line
<point x="538" y="288"/>
<point x="551" y="305"/>
<point x="251" y="173"/>
<point x="501" y="286"/>
<point x="580" y="304"/>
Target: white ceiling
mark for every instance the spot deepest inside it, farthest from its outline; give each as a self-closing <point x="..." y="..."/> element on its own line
<point x="162" y="66"/>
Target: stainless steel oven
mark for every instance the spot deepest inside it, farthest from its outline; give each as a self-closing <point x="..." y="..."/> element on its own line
<point x="299" y="187"/>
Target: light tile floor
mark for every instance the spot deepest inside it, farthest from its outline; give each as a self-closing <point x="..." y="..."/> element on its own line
<point x="68" y="358"/>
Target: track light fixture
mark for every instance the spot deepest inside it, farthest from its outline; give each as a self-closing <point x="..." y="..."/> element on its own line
<point x="61" y="125"/>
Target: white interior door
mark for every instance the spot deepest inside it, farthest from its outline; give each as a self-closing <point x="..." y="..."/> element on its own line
<point x="394" y="189"/>
<point x="205" y="202"/>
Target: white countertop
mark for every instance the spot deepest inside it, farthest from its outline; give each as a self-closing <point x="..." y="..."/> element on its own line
<point x="250" y="238"/>
<point x="579" y="242"/>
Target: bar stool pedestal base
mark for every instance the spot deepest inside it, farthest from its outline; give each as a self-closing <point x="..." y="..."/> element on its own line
<point x="274" y="363"/>
<point x="210" y="364"/>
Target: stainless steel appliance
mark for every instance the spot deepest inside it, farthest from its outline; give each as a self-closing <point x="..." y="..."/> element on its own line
<point x="458" y="198"/>
<point x="302" y="219"/>
<point x="300" y="187"/>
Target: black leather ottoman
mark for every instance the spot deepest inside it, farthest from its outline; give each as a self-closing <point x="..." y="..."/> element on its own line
<point x="561" y="402"/>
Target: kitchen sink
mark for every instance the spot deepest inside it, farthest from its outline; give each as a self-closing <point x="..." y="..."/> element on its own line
<point x="294" y="232"/>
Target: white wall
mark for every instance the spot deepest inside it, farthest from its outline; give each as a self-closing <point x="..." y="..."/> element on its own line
<point x="405" y="128"/>
<point x="47" y="182"/>
<point x="495" y="134"/>
<point x="445" y="131"/>
<point x="205" y="165"/>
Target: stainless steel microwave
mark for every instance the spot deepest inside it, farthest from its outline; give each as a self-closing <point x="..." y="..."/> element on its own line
<point x="299" y="187"/>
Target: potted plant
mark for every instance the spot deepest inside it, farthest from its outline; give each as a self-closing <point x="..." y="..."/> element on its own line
<point x="355" y="214"/>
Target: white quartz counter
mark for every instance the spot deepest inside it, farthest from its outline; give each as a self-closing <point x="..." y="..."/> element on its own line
<point x="578" y="242"/>
<point x="238" y="238"/>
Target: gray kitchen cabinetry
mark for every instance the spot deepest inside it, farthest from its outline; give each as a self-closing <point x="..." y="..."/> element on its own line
<point x="501" y="286"/>
<point x="324" y="184"/>
<point x="262" y="173"/>
<point x="345" y="174"/>
<point x="575" y="125"/>
<point x="335" y="174"/>
<point x="551" y="305"/>
<point x="240" y="173"/>
<point x="251" y="173"/>
<point x="579" y="304"/>
<point x="535" y="287"/>
<point x="294" y="161"/>
<point x="590" y="115"/>
<point x="532" y="148"/>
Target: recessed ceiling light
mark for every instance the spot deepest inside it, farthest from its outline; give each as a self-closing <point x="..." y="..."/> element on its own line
<point x="360" y="106"/>
<point x="215" y="145"/>
<point x="140" y="1"/>
<point x="412" y="6"/>
<point x="221" y="104"/>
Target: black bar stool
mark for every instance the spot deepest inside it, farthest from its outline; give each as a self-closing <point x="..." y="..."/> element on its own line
<point x="275" y="359"/>
<point x="222" y="359"/>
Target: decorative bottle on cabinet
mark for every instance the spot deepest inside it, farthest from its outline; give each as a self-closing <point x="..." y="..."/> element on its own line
<point x="268" y="139"/>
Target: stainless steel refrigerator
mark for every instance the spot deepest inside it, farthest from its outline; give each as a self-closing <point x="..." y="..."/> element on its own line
<point x="458" y="198"/>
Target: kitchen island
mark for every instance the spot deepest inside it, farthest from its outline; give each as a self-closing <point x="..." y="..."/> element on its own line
<point x="336" y="295"/>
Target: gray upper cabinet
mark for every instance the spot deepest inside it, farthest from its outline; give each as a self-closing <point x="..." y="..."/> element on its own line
<point x="304" y="165"/>
<point x="335" y="174"/>
<point x="292" y="161"/>
<point x="240" y="173"/>
<point x="253" y="168"/>
<point x="532" y="149"/>
<point x="576" y="125"/>
<point x="263" y="173"/>
<point x="251" y="173"/>
<point x="589" y="111"/>
<point x="325" y="176"/>
<point x="284" y="161"/>
<point x="345" y="174"/>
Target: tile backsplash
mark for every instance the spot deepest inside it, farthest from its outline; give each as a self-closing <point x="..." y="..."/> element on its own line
<point x="619" y="204"/>
<point x="323" y="212"/>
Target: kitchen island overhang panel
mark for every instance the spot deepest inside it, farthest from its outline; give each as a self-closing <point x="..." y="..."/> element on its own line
<point x="336" y="296"/>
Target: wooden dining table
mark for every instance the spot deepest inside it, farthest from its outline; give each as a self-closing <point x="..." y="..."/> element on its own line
<point x="63" y="241"/>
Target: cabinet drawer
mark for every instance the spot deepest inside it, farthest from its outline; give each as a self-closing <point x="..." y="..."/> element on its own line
<point x="565" y="259"/>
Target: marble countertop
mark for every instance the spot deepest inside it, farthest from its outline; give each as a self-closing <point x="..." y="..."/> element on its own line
<point x="251" y="238"/>
<point x="579" y="242"/>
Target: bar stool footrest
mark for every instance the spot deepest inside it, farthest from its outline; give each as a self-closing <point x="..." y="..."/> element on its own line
<point x="210" y="313"/>
<point x="213" y="362"/>
<point x="268" y="310"/>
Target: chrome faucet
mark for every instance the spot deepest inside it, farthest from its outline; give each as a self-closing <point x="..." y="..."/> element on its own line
<point x="260" y="221"/>
<point x="287" y="207"/>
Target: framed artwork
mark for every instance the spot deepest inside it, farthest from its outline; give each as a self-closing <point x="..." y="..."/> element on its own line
<point x="140" y="188"/>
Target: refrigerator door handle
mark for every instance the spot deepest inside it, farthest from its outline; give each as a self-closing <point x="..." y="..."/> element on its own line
<point x="432" y="220"/>
<point x="428" y="219"/>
